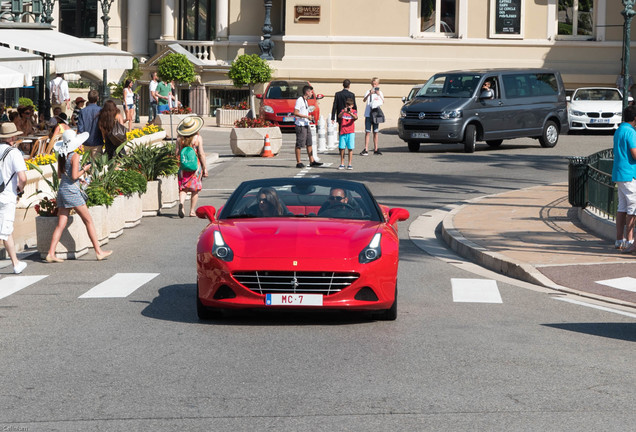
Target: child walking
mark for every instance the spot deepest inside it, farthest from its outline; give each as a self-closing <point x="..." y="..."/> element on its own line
<point x="347" y="117"/>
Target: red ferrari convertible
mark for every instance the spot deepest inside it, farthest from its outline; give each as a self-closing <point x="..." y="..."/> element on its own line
<point x="299" y="243"/>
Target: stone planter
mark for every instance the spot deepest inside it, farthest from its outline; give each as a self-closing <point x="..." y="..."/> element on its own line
<point x="169" y="190"/>
<point x="151" y="200"/>
<point x="133" y="210"/>
<point x="99" y="214"/>
<point x="163" y="120"/>
<point x="74" y="242"/>
<point x="156" y="137"/>
<point x="115" y="215"/>
<point x="226" y="117"/>
<point x="250" y="141"/>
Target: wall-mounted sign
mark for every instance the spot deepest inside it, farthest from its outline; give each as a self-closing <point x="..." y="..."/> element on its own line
<point x="307" y="14"/>
<point x="506" y="18"/>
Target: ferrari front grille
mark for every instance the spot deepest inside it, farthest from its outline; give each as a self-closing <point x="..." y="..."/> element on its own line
<point x="266" y="282"/>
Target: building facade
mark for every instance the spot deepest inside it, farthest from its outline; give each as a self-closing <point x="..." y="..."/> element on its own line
<point x="403" y="42"/>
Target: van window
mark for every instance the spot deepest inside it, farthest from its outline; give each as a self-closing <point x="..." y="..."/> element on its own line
<point x="529" y="85"/>
<point x="451" y="85"/>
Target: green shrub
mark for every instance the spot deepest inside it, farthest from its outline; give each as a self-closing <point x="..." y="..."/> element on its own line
<point x="97" y="196"/>
<point x="152" y="161"/>
<point x="130" y="182"/>
<point x="24" y="101"/>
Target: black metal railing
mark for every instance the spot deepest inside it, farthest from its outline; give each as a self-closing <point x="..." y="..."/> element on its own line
<point x="590" y="182"/>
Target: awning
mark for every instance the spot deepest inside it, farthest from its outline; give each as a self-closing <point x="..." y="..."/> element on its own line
<point x="23" y="62"/>
<point x="10" y="78"/>
<point x="71" y="54"/>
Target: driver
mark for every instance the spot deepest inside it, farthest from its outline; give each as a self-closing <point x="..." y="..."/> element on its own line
<point x="338" y="206"/>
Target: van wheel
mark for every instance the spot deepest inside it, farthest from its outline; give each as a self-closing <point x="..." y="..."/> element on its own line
<point x="470" y="138"/>
<point x="550" y="135"/>
<point x="414" y="146"/>
<point x="494" y="143"/>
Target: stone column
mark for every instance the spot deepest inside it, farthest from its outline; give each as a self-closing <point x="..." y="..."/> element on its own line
<point x="137" y="33"/>
<point x="168" y="15"/>
<point x="222" y="19"/>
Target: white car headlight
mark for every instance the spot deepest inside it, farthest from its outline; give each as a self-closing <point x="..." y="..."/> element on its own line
<point x="268" y="109"/>
<point x="373" y="251"/>
<point x="402" y="113"/>
<point x="451" y="114"/>
<point x="577" y="113"/>
<point x="311" y="108"/>
<point x="221" y="250"/>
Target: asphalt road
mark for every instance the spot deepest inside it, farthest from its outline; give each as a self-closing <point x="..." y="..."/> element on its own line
<point x="532" y="361"/>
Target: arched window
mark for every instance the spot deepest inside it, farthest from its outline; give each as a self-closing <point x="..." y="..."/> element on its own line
<point x="197" y="19"/>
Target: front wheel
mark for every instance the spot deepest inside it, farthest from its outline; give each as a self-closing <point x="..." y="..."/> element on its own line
<point x="391" y="313"/>
<point x="550" y="135"/>
<point x="470" y="138"/>
<point x="414" y="146"/>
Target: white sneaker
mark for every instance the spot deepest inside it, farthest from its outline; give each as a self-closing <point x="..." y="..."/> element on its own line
<point x="619" y="244"/>
<point x="20" y="267"/>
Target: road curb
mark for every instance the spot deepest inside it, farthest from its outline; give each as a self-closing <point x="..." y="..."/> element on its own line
<point x="502" y="264"/>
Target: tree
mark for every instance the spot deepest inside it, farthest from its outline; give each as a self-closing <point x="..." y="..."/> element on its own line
<point x="176" y="67"/>
<point x="249" y="69"/>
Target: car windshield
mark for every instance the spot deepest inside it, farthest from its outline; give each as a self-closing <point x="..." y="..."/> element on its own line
<point x="450" y="85"/>
<point x="285" y="90"/>
<point x="597" y="95"/>
<point x="296" y="199"/>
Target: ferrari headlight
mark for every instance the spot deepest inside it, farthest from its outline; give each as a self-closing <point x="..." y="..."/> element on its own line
<point x="373" y="251"/>
<point x="451" y="114"/>
<point x="221" y="250"/>
<point x="268" y="109"/>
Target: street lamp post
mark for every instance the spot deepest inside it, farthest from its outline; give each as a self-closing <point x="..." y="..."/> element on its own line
<point x="266" y="45"/>
<point x="44" y="104"/>
<point x="106" y="4"/>
<point x="628" y="13"/>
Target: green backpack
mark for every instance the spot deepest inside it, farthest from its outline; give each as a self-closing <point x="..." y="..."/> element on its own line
<point x="188" y="159"/>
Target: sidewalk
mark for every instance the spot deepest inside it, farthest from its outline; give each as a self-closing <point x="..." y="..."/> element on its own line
<point x="535" y="235"/>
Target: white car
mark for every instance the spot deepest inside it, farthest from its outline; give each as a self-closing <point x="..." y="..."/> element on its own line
<point x="595" y="108"/>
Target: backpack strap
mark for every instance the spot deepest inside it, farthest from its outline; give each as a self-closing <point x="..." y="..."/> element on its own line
<point x="4" y="155"/>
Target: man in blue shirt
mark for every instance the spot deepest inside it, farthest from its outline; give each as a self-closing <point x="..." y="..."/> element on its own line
<point x="87" y="122"/>
<point x="624" y="173"/>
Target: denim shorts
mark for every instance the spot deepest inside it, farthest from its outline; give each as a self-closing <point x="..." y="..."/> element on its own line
<point x="368" y="122"/>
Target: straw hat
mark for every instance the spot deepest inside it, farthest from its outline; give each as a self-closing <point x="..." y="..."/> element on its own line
<point x="190" y="126"/>
<point x="70" y="142"/>
<point x="8" y="130"/>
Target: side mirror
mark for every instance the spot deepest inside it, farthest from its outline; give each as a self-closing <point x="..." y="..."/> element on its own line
<point x="487" y="94"/>
<point x="319" y="96"/>
<point x="206" y="212"/>
<point x="404" y="99"/>
<point x="568" y="98"/>
<point x="258" y="96"/>
<point x="398" y="214"/>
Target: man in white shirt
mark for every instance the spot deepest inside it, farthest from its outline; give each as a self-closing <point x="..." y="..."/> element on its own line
<point x="60" y="97"/>
<point x="303" y="133"/>
<point x="13" y="177"/>
<point x="154" y="96"/>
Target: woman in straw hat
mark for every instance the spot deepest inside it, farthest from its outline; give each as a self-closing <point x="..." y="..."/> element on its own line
<point x="190" y="181"/>
<point x="69" y="194"/>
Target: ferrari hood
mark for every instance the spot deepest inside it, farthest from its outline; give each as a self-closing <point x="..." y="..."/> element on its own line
<point x="297" y="238"/>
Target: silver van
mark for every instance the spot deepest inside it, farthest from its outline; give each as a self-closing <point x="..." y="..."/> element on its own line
<point x="486" y="105"/>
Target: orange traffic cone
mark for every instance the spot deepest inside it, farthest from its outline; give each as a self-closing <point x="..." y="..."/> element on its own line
<point x="267" y="150"/>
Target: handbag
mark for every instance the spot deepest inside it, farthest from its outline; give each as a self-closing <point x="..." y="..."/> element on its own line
<point x="117" y="134"/>
<point x="377" y="116"/>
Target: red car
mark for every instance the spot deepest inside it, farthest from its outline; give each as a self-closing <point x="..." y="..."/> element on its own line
<point x="294" y="243"/>
<point x="279" y="100"/>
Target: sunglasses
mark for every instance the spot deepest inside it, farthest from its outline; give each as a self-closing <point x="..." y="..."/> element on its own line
<point x="263" y="201"/>
<point x="336" y="198"/>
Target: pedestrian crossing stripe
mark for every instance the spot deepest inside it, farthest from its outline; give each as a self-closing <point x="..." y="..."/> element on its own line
<point x="624" y="283"/>
<point x="120" y="285"/>
<point x="12" y="284"/>
<point x="475" y="291"/>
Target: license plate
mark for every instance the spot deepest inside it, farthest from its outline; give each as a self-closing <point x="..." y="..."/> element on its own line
<point x="293" y="299"/>
<point x="419" y="135"/>
<point x="603" y="120"/>
<point x="288" y="119"/>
